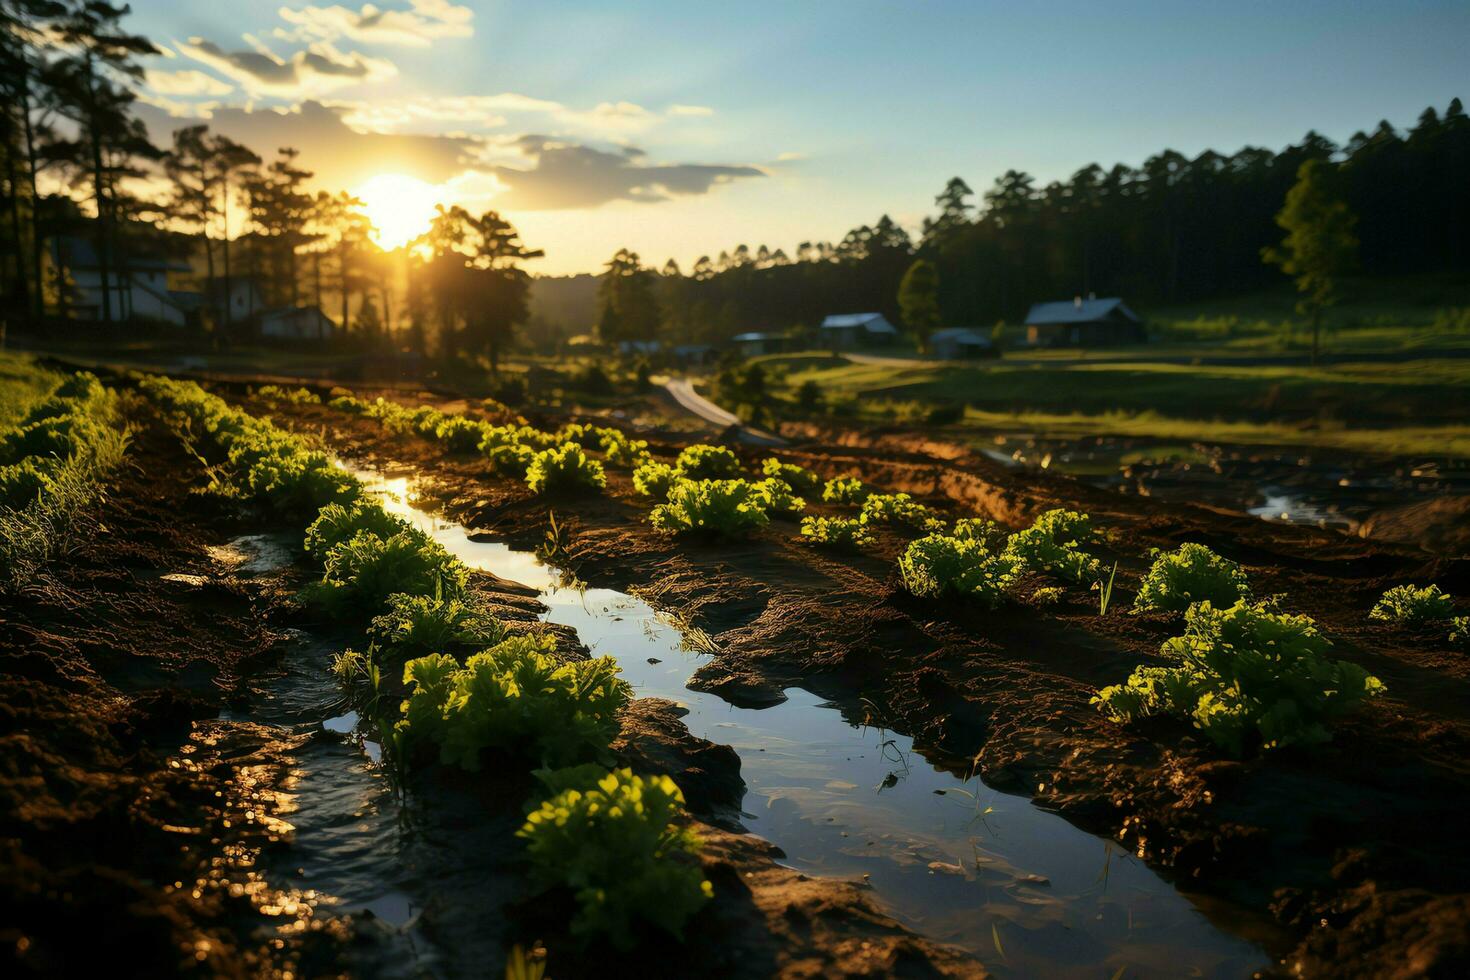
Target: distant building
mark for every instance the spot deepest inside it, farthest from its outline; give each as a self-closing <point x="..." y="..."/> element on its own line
<point x="1083" y="323"/>
<point x="237" y="305"/>
<point x="755" y="343"/>
<point x="646" y="347"/>
<point x="694" y="353"/>
<point x="846" y="330"/>
<point x="297" y="323"/>
<point x="959" y="343"/>
<point x="137" y="287"/>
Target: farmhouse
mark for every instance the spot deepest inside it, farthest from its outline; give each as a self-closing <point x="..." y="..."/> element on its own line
<point x="1083" y="323"/>
<point x="844" y="330"/>
<point x="960" y="343"/>
<point x="297" y="323"/>
<point x="138" y="285"/>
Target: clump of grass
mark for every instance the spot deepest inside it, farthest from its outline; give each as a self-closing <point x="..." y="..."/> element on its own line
<point x="1191" y="573"/>
<point x="841" y="533"/>
<point x="516" y="698"/>
<point x="619" y="842"/>
<point x="846" y="490"/>
<point x="1411" y="606"/>
<point x="1247" y="677"/>
<point x="801" y="479"/>
<point x="729" y="508"/>
<point x="565" y="470"/>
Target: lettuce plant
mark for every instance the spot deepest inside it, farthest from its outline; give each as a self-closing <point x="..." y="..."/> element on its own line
<point x="515" y="697"/>
<point x="459" y="434"/>
<point x="363" y="571"/>
<point x="1246" y="676"/>
<point x="337" y="522"/>
<point x="618" y="842"/>
<point x="981" y="530"/>
<point x="415" y="625"/>
<point x="777" y="498"/>
<point x="842" y="533"/>
<point x="654" y="479"/>
<point x="511" y="458"/>
<point x="705" y="462"/>
<point x="847" y="490"/>
<point x="622" y="452"/>
<point x="1192" y="573"/>
<point x="801" y="479"/>
<point x="721" y="507"/>
<point x="941" y="566"/>
<point x="1052" y="545"/>
<point x="1460" y="631"/>
<point x="1412" y="606"/>
<point x="565" y="470"/>
<point x="902" y="509"/>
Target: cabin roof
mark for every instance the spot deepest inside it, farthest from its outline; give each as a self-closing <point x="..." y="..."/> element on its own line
<point x="1078" y="311"/>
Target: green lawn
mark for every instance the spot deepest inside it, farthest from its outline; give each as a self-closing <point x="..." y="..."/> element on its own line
<point x="22" y="384"/>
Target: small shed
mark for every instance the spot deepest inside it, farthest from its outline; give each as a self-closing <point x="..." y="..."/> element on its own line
<point x="297" y="323"/>
<point x="960" y="343"/>
<point x="846" y="330"/>
<point x="1083" y="323"/>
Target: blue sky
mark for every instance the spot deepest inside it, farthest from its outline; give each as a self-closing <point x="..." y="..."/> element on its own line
<point x="680" y="129"/>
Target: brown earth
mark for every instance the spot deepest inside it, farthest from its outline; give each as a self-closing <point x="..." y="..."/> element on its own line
<point x="1354" y="847"/>
<point x="136" y="826"/>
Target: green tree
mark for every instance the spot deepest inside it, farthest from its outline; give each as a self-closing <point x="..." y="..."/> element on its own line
<point x="918" y="298"/>
<point x="629" y="308"/>
<point x="1319" y="245"/>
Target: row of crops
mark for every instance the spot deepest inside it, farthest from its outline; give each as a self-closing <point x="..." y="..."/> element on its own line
<point x="1248" y="675"/>
<point x="448" y="684"/>
<point x="52" y="461"/>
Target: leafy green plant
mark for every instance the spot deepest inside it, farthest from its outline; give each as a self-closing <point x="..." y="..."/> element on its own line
<point x="777" y="498"/>
<point x="846" y="490"/>
<point x="511" y="458"/>
<point x="901" y="509"/>
<point x="365" y="570"/>
<point x="1460" y="631"/>
<point x="338" y="522"/>
<point x="801" y="479"/>
<point x="459" y="434"/>
<point x="1105" y="591"/>
<point x="618" y="843"/>
<point x="622" y="452"/>
<point x="653" y="479"/>
<point x="843" y="533"/>
<point x="1245" y="676"/>
<point x="1412" y="606"/>
<point x="1052" y="545"/>
<point x="981" y="530"/>
<point x="515" y="697"/>
<point x="565" y="470"/>
<point x="705" y="462"/>
<point x="415" y="625"/>
<point x="940" y="565"/>
<point x="722" y="507"/>
<point x="294" y="396"/>
<point x="1192" y="573"/>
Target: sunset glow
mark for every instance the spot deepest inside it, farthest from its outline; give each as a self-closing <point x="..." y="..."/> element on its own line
<point x="399" y="206"/>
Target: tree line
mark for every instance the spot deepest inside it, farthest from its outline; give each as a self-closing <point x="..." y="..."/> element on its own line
<point x="1173" y="230"/>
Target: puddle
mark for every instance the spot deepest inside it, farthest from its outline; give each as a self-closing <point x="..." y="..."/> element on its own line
<point x="1025" y="890"/>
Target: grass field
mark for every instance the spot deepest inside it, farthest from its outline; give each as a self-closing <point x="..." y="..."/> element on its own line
<point x="22" y="384"/>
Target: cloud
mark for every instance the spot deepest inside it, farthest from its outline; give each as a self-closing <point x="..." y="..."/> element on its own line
<point x="425" y="22"/>
<point x="790" y="156"/>
<point x="490" y="112"/>
<point x="571" y="175"/>
<point x="340" y="156"/>
<point x="319" y="69"/>
<point x="185" y="83"/>
<point x="690" y="110"/>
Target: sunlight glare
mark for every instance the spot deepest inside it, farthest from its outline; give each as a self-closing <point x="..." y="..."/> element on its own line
<point x="399" y="206"/>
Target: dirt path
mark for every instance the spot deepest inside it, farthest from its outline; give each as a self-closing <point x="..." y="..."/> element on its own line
<point x="1352" y="848"/>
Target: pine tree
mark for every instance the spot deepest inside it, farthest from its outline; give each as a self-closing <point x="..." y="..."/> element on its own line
<point x="1319" y="245"/>
<point x="918" y="299"/>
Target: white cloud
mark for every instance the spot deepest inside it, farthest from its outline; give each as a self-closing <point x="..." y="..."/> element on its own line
<point x="790" y="156"/>
<point x="690" y="110"/>
<point x="319" y="69"/>
<point x="419" y="26"/>
<point x="185" y="83"/>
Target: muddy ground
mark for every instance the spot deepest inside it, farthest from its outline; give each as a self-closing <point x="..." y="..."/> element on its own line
<point x="143" y="821"/>
<point x="1355" y="849"/>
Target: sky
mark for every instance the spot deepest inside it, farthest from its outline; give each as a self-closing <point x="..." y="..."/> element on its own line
<point x="681" y="129"/>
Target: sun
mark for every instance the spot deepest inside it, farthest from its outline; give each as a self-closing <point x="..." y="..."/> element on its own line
<point x="399" y="206"/>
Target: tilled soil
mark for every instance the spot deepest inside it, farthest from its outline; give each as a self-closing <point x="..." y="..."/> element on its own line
<point x="1353" y="848"/>
<point x="138" y="825"/>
